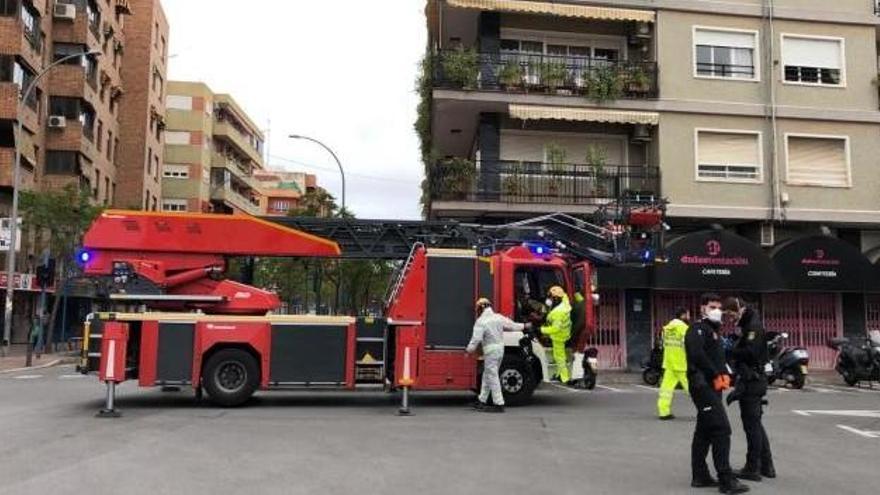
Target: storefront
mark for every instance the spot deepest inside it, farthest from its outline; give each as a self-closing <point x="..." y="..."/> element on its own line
<point x="822" y="277"/>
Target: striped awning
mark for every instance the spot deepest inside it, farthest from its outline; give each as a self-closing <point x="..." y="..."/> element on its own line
<point x="539" y="112"/>
<point x="25" y="143"/>
<point x="560" y="9"/>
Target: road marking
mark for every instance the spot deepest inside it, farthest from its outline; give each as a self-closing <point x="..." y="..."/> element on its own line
<point x="823" y="390"/>
<point x="612" y="389"/>
<point x="645" y="387"/>
<point x="71" y="377"/>
<point x="27" y="377"/>
<point x="568" y="389"/>
<point x="782" y="390"/>
<point x="862" y="433"/>
<point x="854" y="389"/>
<point x="850" y="413"/>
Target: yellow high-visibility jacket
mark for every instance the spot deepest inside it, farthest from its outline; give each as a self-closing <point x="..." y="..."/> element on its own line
<point x="674" y="356"/>
<point x="558" y="325"/>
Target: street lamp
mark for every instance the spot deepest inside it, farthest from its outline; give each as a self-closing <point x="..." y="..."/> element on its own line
<point x="338" y="163"/>
<point x="16" y="178"/>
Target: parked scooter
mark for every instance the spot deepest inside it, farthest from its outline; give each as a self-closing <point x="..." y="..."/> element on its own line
<point x="858" y="363"/>
<point x="590" y="364"/>
<point x="652" y="368"/>
<point x="786" y="364"/>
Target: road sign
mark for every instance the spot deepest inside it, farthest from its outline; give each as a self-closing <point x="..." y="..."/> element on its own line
<point x="6" y="233"/>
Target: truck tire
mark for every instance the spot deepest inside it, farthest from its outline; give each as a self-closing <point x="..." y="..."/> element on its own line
<point x="231" y="376"/>
<point x="517" y="380"/>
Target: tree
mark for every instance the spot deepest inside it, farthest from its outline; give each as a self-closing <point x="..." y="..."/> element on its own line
<point x="57" y="220"/>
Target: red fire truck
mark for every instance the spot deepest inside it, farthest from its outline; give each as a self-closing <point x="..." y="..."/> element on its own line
<point x="175" y="320"/>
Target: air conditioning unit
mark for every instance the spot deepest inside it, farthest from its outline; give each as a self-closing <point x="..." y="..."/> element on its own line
<point x="641" y="134"/>
<point x="57" y="122"/>
<point x="768" y="235"/>
<point x="64" y="11"/>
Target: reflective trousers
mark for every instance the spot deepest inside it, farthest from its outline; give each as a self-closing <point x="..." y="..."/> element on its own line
<point x="560" y="357"/>
<point x="671" y="379"/>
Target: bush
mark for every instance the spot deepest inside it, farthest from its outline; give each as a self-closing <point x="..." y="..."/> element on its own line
<point x="461" y="67"/>
<point x="604" y="84"/>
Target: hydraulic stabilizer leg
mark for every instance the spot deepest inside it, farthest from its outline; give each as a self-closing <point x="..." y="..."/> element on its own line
<point x="109" y="409"/>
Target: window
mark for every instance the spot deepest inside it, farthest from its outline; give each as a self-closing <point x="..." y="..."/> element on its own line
<point x="90" y="65"/>
<point x="725" y="53"/>
<point x="93" y="14"/>
<point x="174" y="205"/>
<point x="30" y="19"/>
<point x="810" y="60"/>
<point x="817" y="160"/>
<point x="730" y="156"/>
<point x="8" y="7"/>
<point x="113" y="193"/>
<point x="62" y="163"/>
<point x="155" y="203"/>
<point x="175" y="171"/>
<point x="109" y="145"/>
<point x="99" y="142"/>
<point x="177" y="137"/>
<point x="149" y="161"/>
<point x="530" y="288"/>
<point x="6" y="63"/>
<point x="179" y="102"/>
<point x="61" y="50"/>
<point x="87" y="119"/>
<point x="97" y="190"/>
<point x="106" y="190"/>
<point x="64" y="106"/>
<point x="156" y="166"/>
<point x="164" y="48"/>
<point x="23" y="77"/>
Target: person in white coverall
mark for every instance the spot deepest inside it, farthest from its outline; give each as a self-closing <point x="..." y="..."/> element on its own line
<point x="489" y="332"/>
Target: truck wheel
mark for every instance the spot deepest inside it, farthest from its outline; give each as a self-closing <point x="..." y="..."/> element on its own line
<point x="517" y="380"/>
<point x="231" y="376"/>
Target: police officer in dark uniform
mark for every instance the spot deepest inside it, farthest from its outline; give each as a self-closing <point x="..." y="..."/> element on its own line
<point x="707" y="378"/>
<point x="750" y="357"/>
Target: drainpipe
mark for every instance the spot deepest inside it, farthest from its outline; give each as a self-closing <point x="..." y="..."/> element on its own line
<point x="776" y="211"/>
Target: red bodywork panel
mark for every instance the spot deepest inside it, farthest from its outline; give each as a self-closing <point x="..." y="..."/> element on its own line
<point x="180" y="252"/>
<point x="114" y="349"/>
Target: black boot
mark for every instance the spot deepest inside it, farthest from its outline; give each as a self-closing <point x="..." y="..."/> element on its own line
<point x="732" y="486"/>
<point x="768" y="470"/>
<point x="748" y="473"/>
<point x="709" y="482"/>
<point x="479" y="406"/>
<point x="492" y="409"/>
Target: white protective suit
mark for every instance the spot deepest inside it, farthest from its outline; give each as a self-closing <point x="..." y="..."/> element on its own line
<point x="489" y="331"/>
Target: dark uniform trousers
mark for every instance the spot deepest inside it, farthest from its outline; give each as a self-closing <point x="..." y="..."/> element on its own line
<point x="751" y="408"/>
<point x="713" y="430"/>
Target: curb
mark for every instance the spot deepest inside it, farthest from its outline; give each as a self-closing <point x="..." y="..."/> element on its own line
<point x="50" y="364"/>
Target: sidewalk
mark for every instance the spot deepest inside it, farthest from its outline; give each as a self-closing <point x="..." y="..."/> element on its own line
<point x="16" y="359"/>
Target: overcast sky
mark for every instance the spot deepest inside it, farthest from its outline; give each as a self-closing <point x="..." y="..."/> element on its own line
<point x="341" y="71"/>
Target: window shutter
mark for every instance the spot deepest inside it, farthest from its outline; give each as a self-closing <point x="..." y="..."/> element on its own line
<point x="724" y="38"/>
<point x="728" y="149"/>
<point x="811" y="52"/>
<point x="817" y="161"/>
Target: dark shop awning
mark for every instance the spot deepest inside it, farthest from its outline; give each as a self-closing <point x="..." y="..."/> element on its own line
<point x="823" y="264"/>
<point x="716" y="260"/>
<point x="623" y="277"/>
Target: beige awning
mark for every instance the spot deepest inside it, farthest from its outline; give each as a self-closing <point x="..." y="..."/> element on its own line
<point x="538" y="112"/>
<point x="25" y="145"/>
<point x="560" y="9"/>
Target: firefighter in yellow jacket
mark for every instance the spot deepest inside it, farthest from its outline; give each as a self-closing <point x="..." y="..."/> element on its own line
<point x="674" y="362"/>
<point x="558" y="328"/>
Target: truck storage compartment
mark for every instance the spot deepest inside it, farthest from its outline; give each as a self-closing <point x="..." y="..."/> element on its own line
<point x="370" y="350"/>
<point x="309" y="354"/>
<point x="451" y="297"/>
<point x="174" y="356"/>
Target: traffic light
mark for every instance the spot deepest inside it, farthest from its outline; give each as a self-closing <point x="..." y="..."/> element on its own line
<point x="46" y="274"/>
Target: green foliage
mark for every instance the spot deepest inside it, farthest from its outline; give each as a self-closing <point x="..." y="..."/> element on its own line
<point x="453" y="177"/>
<point x="58" y="218"/>
<point x="556" y="154"/>
<point x="511" y="75"/>
<point x="638" y="79"/>
<point x="513" y="183"/>
<point x="553" y="74"/>
<point x="461" y="67"/>
<point x="425" y="90"/>
<point x="556" y="158"/>
<point x="604" y="84"/>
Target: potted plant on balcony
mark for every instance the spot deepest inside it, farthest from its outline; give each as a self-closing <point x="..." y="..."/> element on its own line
<point x="510" y="77"/>
<point x="556" y="157"/>
<point x="638" y="80"/>
<point x="597" y="158"/>
<point x="454" y="178"/>
<point x="461" y="67"/>
<point x="603" y="84"/>
<point x="554" y="75"/>
<point x="513" y="183"/>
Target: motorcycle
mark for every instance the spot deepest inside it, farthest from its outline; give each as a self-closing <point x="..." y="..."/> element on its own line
<point x="590" y="365"/>
<point x="652" y="368"/>
<point x="858" y="363"/>
<point x="786" y="364"/>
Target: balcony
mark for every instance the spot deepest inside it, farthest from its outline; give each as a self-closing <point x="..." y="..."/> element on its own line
<point x="237" y="139"/>
<point x="231" y="197"/>
<point x="237" y="168"/>
<point x="536" y="187"/>
<point x="596" y="79"/>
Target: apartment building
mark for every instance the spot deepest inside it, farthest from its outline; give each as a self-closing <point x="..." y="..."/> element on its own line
<point x="756" y="120"/>
<point x="212" y="150"/>
<point x="142" y="116"/>
<point x="282" y="191"/>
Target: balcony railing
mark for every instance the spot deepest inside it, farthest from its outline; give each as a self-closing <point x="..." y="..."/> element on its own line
<point x="534" y="182"/>
<point x="594" y="78"/>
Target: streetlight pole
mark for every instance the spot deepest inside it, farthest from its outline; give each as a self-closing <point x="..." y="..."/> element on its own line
<point x="338" y="163"/>
<point x="13" y="217"/>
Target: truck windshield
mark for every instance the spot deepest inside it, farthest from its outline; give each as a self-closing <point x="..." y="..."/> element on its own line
<point x="531" y="284"/>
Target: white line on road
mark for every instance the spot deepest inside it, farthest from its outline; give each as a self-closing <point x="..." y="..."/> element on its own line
<point x="802" y="413"/>
<point x="865" y="434"/>
<point x="71" y="377"/>
<point x="27" y="377"/>
<point x="612" y="389"/>
<point x="567" y="389"/>
<point x="823" y="390"/>
<point x="852" y="413"/>
<point x="855" y="389"/>
<point x="645" y="387"/>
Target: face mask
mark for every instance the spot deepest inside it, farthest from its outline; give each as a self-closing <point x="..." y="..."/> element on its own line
<point x="549" y="302"/>
<point x="714" y="315"/>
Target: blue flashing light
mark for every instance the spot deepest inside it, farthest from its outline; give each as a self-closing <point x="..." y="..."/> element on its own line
<point x="539" y="249"/>
<point x="84" y="257"/>
<point x="648" y="255"/>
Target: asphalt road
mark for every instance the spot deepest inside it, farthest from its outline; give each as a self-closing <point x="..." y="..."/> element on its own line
<point x="826" y="440"/>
